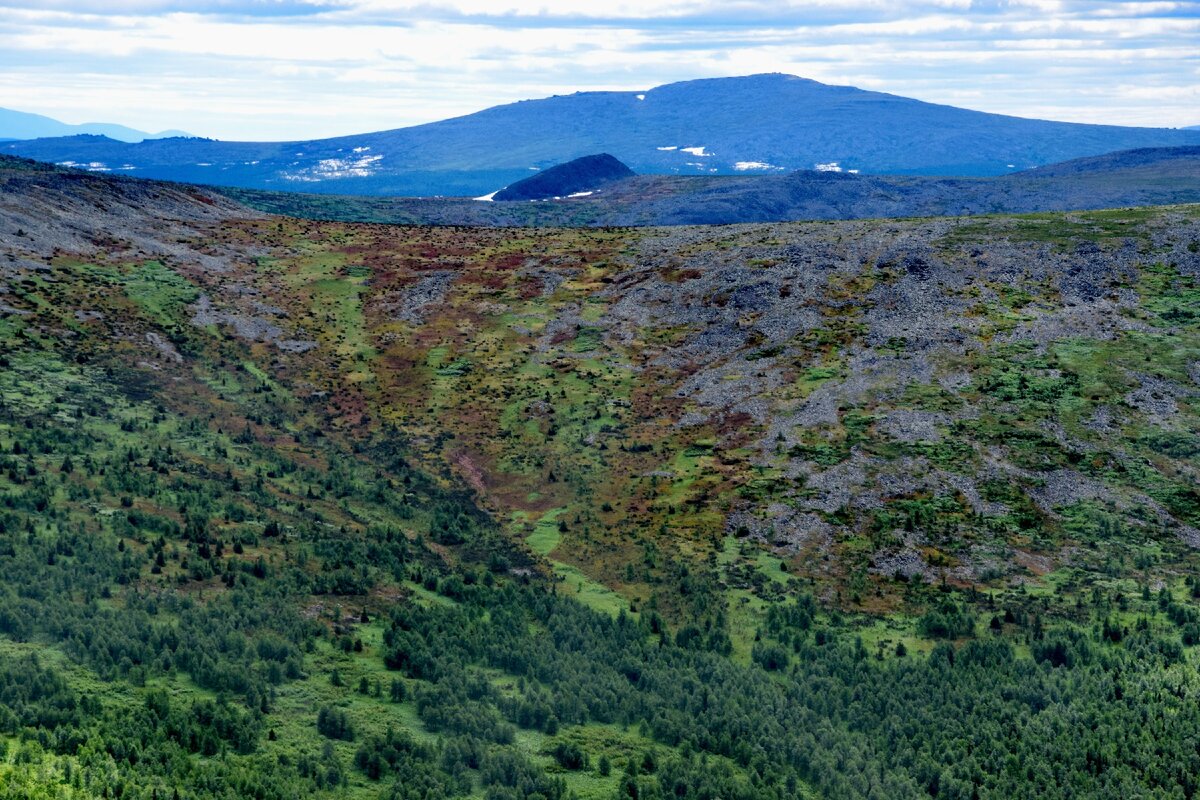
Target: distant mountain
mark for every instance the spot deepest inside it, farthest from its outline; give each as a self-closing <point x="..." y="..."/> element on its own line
<point x="761" y="124"/>
<point x="22" y="125"/>
<point x="582" y="176"/>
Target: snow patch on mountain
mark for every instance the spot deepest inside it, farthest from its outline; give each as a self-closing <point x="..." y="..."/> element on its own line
<point x="335" y="168"/>
<point x="90" y="166"/>
<point x="742" y="166"/>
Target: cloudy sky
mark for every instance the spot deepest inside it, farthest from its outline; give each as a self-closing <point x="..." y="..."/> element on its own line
<point x="290" y="69"/>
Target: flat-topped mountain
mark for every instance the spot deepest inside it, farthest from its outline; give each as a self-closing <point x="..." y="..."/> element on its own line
<point x="759" y="124"/>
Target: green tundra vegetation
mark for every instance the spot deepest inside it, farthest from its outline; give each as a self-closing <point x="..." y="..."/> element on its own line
<point x="394" y="553"/>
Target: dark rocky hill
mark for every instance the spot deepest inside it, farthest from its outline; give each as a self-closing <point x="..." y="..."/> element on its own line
<point x="575" y="178"/>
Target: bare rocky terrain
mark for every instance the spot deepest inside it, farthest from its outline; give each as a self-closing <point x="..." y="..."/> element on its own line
<point x="862" y="398"/>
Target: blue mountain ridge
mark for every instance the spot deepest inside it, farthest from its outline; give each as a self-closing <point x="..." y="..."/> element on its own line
<point x="758" y="124"/>
<point x="20" y="125"/>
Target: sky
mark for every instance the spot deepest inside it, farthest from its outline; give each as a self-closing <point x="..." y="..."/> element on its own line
<point x="299" y="69"/>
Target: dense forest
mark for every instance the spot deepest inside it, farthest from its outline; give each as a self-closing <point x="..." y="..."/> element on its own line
<point x="149" y="654"/>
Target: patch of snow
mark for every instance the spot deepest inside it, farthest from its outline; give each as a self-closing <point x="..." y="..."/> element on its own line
<point x="742" y="166"/>
<point x="830" y="166"/>
<point x="1012" y="166"/>
<point x="852" y="171"/>
<point x="580" y="194"/>
<point x="487" y="198"/>
<point x="333" y="168"/>
<point x="640" y="96"/>
<point x="696" y="151"/>
<point x="536" y="169"/>
<point x="203" y="163"/>
<point x="672" y="147"/>
<point x="97" y="166"/>
<point x="361" y="149"/>
<point x="127" y="166"/>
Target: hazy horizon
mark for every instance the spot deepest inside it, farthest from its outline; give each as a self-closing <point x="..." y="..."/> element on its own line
<point x="300" y="69"/>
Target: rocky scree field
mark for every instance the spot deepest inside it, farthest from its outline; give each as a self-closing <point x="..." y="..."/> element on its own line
<point x="962" y="401"/>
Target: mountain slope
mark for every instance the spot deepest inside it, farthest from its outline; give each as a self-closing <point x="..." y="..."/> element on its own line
<point x="1161" y="162"/>
<point x="472" y="330"/>
<point x="23" y="125"/>
<point x="890" y="508"/>
<point x="760" y="123"/>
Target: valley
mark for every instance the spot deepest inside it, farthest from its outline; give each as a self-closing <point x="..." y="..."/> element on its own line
<point x="845" y="508"/>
